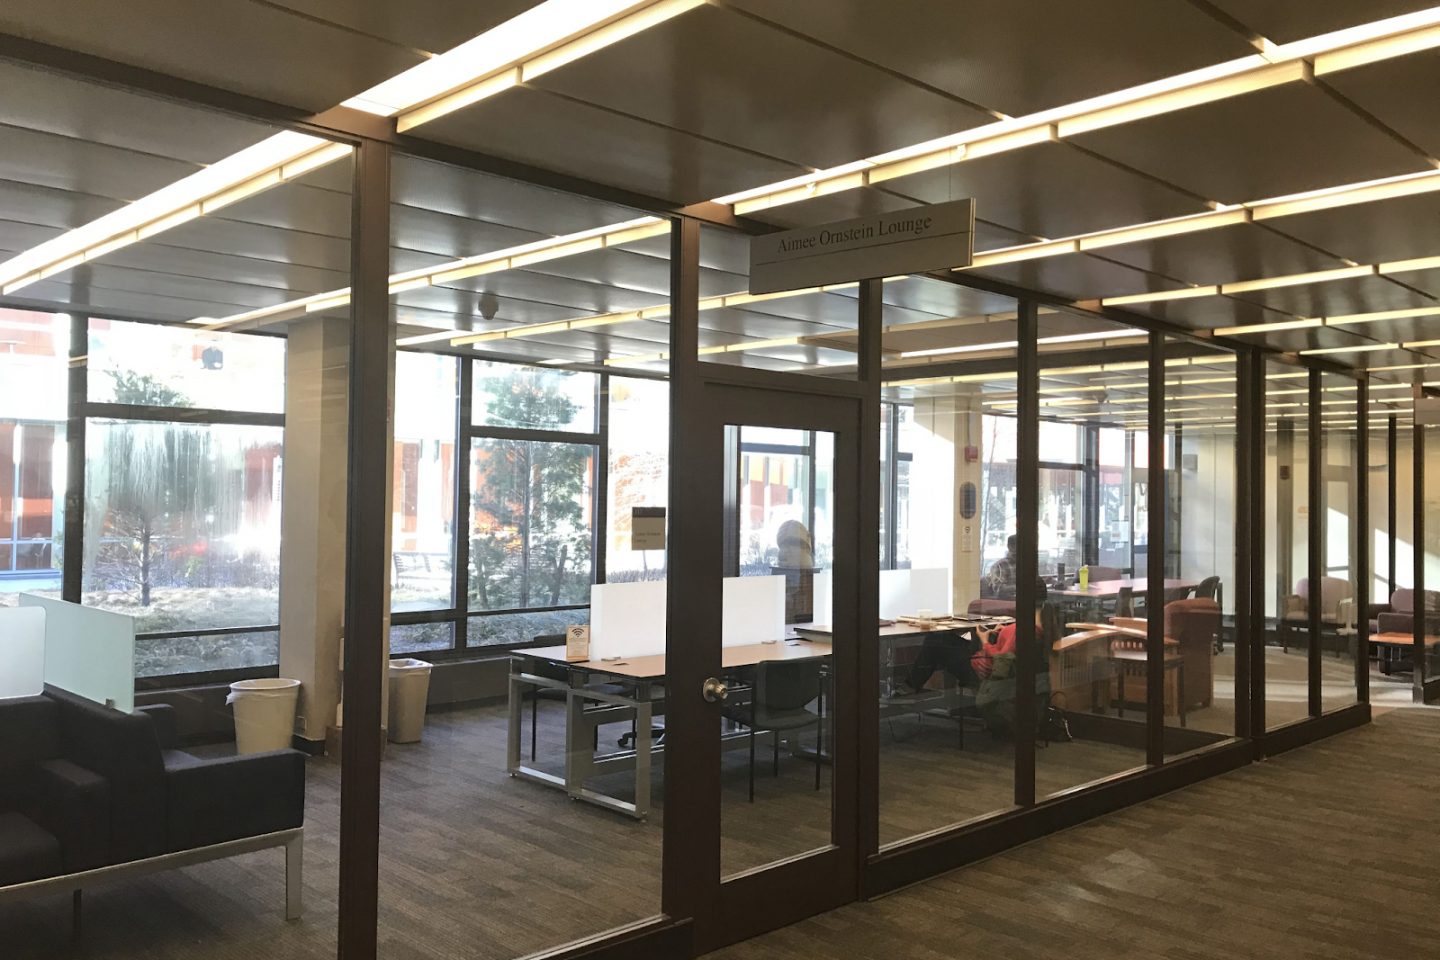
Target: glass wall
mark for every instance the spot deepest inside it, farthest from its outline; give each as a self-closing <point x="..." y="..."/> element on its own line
<point x="1340" y="588"/>
<point x="520" y="462"/>
<point x="1201" y="525"/>
<point x="1287" y="511"/>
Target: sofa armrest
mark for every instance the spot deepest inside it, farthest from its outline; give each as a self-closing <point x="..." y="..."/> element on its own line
<point x="212" y="801"/>
<point x="162" y="717"/>
<point x="73" y="804"/>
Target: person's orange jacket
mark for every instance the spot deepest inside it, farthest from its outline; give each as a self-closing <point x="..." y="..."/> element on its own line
<point x="992" y="645"/>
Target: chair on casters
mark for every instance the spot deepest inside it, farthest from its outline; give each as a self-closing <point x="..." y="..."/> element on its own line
<point x="1209" y="589"/>
<point x="780" y="701"/>
<point x="553" y="671"/>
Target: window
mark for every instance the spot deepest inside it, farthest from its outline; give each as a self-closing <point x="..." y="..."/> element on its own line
<point x="530" y="523"/>
<point x="141" y="363"/>
<point x="533" y="462"/>
<point x="33" y="351"/>
<point x="534" y="398"/>
<point x="182" y="509"/>
<point x="182" y="523"/>
<point x="423" y="511"/>
<point x="639" y="446"/>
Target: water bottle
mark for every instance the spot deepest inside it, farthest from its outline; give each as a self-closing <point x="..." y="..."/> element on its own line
<point x="1085" y="577"/>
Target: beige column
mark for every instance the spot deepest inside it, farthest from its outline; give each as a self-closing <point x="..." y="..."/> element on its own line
<point x="940" y="536"/>
<point x="312" y="531"/>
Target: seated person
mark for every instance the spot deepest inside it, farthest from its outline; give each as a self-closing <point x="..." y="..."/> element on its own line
<point x="971" y="662"/>
<point x="999" y="582"/>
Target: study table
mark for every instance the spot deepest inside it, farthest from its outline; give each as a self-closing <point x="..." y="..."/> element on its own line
<point x="643" y="677"/>
<point x="587" y="709"/>
<point x="1109" y="589"/>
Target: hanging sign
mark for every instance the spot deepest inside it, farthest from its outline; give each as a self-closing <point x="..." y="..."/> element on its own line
<point x="933" y="237"/>
<point x="647" y="528"/>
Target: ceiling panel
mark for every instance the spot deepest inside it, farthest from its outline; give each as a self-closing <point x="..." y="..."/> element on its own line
<point x="295" y="206"/>
<point x="1399" y="229"/>
<point x="531" y="126"/>
<point x="753" y="325"/>
<point x="450" y="236"/>
<point x="49" y="295"/>
<point x="238" y="296"/>
<point x="508" y="311"/>
<point x="1399" y="93"/>
<point x="1426" y="281"/>
<point x="54" y="103"/>
<point x="1243" y="251"/>
<point x="1312" y="338"/>
<point x="1209" y="313"/>
<point x="1286" y="20"/>
<point x="479" y="196"/>
<point x="1076" y="276"/>
<point x="240" y="45"/>
<point x="1337" y="297"/>
<point x="264" y="243"/>
<point x="723" y="76"/>
<point x="51" y="206"/>
<point x="431" y="25"/>
<point x="1052" y="190"/>
<point x="1072" y="50"/>
<point x="584" y="298"/>
<point x="941" y="298"/>
<point x="166" y="258"/>
<point x="1401" y="330"/>
<point x="1269" y="143"/>
<point x="62" y="163"/>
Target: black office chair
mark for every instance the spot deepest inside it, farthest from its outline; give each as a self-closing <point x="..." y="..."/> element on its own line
<point x="553" y="671"/>
<point x="1125" y="602"/>
<point x="780" y="701"/>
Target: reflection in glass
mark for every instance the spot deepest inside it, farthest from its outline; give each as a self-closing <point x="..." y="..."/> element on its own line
<point x="423" y="507"/>
<point x="534" y="398"/>
<point x="182" y="524"/>
<point x="153" y="365"/>
<point x="638" y="450"/>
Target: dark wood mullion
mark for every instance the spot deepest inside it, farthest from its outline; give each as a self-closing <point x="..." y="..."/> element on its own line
<point x="1259" y="496"/>
<point x="1392" y="448"/>
<point x="1315" y="532"/>
<point x="372" y="359"/>
<point x="1363" y="541"/>
<point x="73" y="533"/>
<point x="460" y="526"/>
<point x="1157" y="520"/>
<point x="690" y="863"/>
<point x="1030" y="659"/>
<point x="863" y="702"/>
<point x="599" y="535"/>
<point x="1417" y="537"/>
<point x="1242" y="594"/>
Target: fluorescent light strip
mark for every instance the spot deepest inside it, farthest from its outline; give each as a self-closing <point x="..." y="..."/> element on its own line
<point x="1301" y="324"/>
<point x="1362" y="348"/>
<point x="706" y="351"/>
<point x="1275" y="66"/>
<point x="273" y="160"/>
<point x="546" y="29"/>
<point x="1184" y="293"/>
<point x="507" y="259"/>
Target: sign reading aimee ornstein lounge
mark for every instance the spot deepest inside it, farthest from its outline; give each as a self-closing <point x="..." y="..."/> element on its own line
<point x="935" y="237"/>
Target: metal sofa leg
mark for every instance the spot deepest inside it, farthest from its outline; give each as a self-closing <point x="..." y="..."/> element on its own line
<point x="294" y="876"/>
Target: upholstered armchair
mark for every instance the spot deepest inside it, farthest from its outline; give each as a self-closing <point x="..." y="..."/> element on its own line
<point x="1337" y="607"/>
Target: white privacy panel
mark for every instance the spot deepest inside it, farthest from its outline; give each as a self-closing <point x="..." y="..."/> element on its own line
<point x="753" y="611"/>
<point x="627" y="619"/>
<point x="22" y="651"/>
<point x="89" y="652"/>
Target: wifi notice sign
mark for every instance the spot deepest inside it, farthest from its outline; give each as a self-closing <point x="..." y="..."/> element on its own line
<point x="936" y="237"/>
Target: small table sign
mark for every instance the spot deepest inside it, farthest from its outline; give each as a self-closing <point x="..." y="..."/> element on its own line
<point x="577" y="643"/>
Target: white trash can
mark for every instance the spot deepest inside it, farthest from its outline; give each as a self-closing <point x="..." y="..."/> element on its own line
<point x="264" y="713"/>
<point x="409" y="690"/>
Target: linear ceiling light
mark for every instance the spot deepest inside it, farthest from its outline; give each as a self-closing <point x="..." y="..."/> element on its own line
<point x="1420" y="344"/>
<point x="1275" y="65"/>
<point x="1184" y="293"/>
<point x="707" y="351"/>
<point x="273" y="160"/>
<point x="1301" y="324"/>
<point x="1297" y="279"/>
<point x="540" y="39"/>
<point x="1353" y="318"/>
<point x="1361" y="348"/>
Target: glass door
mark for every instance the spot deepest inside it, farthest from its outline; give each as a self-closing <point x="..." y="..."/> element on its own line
<point x="769" y="830"/>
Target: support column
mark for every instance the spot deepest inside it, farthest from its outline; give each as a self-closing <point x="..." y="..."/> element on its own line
<point x="312" y="526"/>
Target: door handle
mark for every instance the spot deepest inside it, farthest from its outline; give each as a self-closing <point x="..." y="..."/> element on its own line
<point x="714" y="690"/>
